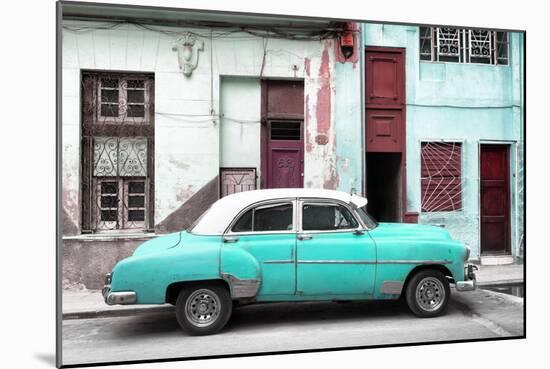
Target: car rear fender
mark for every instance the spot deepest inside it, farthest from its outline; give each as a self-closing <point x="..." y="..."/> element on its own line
<point x="241" y="271"/>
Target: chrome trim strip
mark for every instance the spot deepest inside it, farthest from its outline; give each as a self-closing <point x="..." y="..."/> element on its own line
<point x="336" y="262"/>
<point x="414" y="262"/>
<point x="241" y="288"/>
<point x="278" y="261"/>
<point x="391" y="287"/>
<point x="374" y="262"/>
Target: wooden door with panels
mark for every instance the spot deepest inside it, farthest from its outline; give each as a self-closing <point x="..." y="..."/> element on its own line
<point x="282" y="134"/>
<point x="385" y="132"/>
<point x="494" y="164"/>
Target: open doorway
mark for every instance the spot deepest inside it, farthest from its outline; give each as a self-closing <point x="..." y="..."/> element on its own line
<point x="384" y="186"/>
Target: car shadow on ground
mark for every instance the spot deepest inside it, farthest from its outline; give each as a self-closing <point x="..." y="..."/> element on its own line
<point x="261" y="316"/>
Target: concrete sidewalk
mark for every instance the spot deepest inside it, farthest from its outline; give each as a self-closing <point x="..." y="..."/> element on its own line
<point x="80" y="304"/>
<point x="499" y="274"/>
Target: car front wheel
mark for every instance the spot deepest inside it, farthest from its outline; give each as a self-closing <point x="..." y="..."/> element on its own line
<point x="428" y="293"/>
<point x="202" y="310"/>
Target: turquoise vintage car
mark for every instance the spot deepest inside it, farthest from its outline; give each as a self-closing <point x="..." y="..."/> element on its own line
<point x="290" y="245"/>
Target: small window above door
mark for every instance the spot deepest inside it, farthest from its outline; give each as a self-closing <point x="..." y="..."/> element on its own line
<point x="327" y="217"/>
<point x="286" y="130"/>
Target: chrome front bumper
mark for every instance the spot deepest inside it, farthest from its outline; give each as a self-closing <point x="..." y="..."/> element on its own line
<point x="469" y="282"/>
<point x="117" y="298"/>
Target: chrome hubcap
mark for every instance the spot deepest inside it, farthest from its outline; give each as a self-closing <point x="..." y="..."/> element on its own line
<point x="430" y="294"/>
<point x="202" y="307"/>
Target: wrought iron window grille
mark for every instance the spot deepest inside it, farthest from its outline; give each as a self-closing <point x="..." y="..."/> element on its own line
<point x="459" y="45"/>
<point x="117" y="151"/>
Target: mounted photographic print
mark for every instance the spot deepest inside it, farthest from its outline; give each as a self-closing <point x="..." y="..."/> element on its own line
<point x="238" y="183"/>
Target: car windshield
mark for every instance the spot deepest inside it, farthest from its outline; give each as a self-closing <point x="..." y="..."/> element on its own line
<point x="367" y="219"/>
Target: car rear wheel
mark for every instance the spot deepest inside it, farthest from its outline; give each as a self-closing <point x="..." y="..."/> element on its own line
<point x="203" y="309"/>
<point x="428" y="293"/>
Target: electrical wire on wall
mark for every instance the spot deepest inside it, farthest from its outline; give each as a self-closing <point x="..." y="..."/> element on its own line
<point x="253" y="32"/>
<point x="205" y="118"/>
<point x="211" y="32"/>
<point x="264" y="42"/>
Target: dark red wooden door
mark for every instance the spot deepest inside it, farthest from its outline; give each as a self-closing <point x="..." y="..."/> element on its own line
<point x="385" y="75"/>
<point x="495" y="199"/>
<point x="285" y="156"/>
<point x="282" y="134"/>
<point x="385" y="99"/>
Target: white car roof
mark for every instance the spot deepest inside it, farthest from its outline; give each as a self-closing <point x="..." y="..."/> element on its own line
<point x="216" y="219"/>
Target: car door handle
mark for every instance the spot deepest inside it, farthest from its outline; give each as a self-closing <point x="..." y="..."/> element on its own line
<point x="230" y="239"/>
<point x="304" y="237"/>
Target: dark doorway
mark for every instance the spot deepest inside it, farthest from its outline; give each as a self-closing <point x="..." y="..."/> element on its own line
<point x="384" y="186"/>
<point x="385" y="133"/>
<point x="495" y="199"/>
<point x="282" y="145"/>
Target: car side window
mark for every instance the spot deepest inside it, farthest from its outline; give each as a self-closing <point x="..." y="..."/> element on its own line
<point x="272" y="217"/>
<point x="326" y="217"/>
<point x="244" y="224"/>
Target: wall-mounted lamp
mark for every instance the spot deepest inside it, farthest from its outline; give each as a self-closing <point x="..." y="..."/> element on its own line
<point x="346" y="44"/>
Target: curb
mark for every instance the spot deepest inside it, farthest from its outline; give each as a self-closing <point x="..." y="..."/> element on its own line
<point x="505" y="296"/>
<point x="90" y="314"/>
<point x="499" y="282"/>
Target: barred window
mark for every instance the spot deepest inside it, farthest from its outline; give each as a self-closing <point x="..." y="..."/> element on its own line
<point x="122" y="99"/>
<point x="233" y="180"/>
<point x="458" y="45"/>
<point x="117" y="151"/>
<point x="441" y="177"/>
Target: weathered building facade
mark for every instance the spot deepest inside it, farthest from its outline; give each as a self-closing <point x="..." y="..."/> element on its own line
<point x="165" y="111"/>
<point x="160" y="120"/>
<point x="454" y="126"/>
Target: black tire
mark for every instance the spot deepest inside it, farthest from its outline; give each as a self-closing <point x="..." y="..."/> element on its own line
<point x="203" y="309"/>
<point x="428" y="293"/>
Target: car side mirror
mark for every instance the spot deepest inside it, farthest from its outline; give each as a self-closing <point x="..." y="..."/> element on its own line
<point x="358" y="232"/>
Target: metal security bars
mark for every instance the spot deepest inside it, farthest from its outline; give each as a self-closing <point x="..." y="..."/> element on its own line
<point x="441" y="176"/>
<point x="117" y="151"/>
<point x="233" y="180"/>
<point x="458" y="45"/>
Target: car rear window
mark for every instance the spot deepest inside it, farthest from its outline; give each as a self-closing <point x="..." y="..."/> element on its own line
<point x="264" y="218"/>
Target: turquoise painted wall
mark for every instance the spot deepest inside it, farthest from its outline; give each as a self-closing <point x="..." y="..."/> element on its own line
<point x="467" y="103"/>
<point x="347" y="110"/>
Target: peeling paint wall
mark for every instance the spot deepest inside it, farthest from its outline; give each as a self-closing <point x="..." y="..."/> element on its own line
<point x="320" y="154"/>
<point x="472" y="103"/>
<point x="187" y="139"/>
<point x="87" y="262"/>
<point x="189" y="131"/>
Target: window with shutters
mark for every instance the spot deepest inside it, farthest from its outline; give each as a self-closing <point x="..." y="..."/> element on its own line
<point x="117" y="151"/>
<point x="441" y="178"/>
<point x="458" y="45"/>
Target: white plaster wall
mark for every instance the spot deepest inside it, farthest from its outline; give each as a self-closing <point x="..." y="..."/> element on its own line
<point x="240" y="123"/>
<point x="187" y="145"/>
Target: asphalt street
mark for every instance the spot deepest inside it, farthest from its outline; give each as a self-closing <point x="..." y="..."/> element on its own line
<point x="290" y="326"/>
